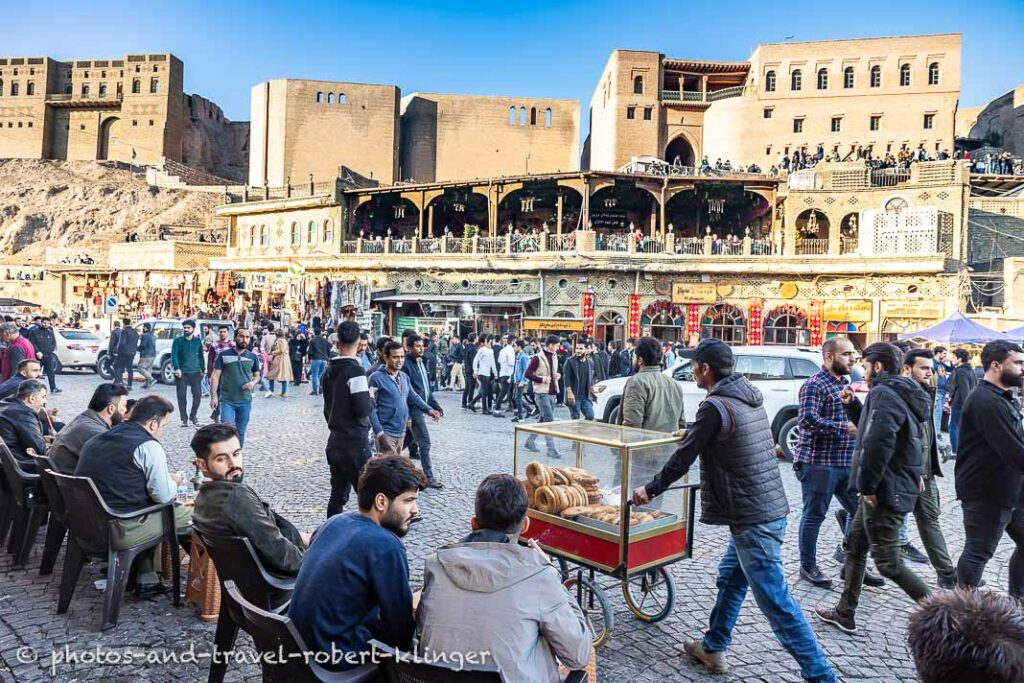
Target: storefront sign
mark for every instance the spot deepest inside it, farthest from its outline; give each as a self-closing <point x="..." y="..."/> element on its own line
<point x="850" y="310"/>
<point x="587" y="306"/>
<point x="633" y="316"/>
<point x="912" y="309"/>
<point x="553" y="324"/>
<point x="694" y="293"/>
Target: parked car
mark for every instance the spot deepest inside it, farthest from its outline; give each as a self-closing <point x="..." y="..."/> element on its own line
<point x="166" y="330"/>
<point x="778" y="371"/>
<point x="76" y="349"/>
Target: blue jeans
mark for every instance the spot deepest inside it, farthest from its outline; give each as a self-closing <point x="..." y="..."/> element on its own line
<point x="754" y="559"/>
<point x="583" y="405"/>
<point x="940" y="400"/>
<point x="316" y="372"/>
<point x="237" y="413"/>
<point x="281" y="383"/>
<point x="954" y="428"/>
<point x="819" y="483"/>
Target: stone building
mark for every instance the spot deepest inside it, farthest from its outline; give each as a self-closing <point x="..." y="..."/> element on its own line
<point x="463" y="137"/>
<point x="877" y="94"/>
<point x="999" y="123"/>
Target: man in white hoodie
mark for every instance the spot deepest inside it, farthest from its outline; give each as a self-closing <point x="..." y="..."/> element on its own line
<point x="506" y="365"/>
<point x="473" y="596"/>
<point x="485" y="371"/>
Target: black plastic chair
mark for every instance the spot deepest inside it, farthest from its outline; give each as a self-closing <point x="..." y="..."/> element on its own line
<point x="275" y="635"/>
<point x="28" y="506"/>
<point x="6" y="509"/>
<point x="89" y="520"/>
<point x="237" y="561"/>
<point x="405" y="669"/>
<point x="56" y="528"/>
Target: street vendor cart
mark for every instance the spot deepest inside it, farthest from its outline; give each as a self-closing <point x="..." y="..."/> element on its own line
<point x="579" y="476"/>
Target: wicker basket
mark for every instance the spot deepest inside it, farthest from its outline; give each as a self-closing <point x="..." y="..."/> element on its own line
<point x="591" y="668"/>
<point x="203" y="589"/>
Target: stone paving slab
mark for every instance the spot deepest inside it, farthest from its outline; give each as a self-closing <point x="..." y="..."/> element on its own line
<point x="285" y="463"/>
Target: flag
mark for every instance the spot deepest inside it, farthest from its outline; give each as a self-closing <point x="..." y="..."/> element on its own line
<point x="296" y="268"/>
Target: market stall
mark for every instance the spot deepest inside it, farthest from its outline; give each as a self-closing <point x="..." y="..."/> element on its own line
<point x="957" y="329"/>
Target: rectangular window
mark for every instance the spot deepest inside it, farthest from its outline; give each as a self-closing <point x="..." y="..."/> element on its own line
<point x="631" y="113"/>
<point x="929" y="120"/>
<point x="767" y="151"/>
<point x="837" y="124"/>
<point x="767" y="112"/>
<point x="648" y="112"/>
<point x="875" y="123"/>
<point x="798" y="125"/>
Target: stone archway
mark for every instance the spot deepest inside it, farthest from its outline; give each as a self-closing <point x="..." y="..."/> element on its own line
<point x="384" y="212"/>
<point x="536" y="208"/>
<point x="109" y="140"/>
<point x="681" y="148"/>
<point x="617" y="208"/>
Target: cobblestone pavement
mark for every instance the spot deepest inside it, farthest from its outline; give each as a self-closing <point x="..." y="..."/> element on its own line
<point x="284" y="461"/>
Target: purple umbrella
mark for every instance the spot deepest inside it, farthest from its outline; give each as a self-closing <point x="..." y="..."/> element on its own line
<point x="957" y="329"/>
<point x="1015" y="333"/>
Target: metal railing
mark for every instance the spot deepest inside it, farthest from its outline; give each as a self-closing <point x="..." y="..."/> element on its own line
<point x="848" y="245"/>
<point x="734" y="91"/>
<point x="812" y="247"/>
<point x="350" y="247"/>
<point x="430" y="245"/>
<point x="72" y="97"/>
<point x="524" y="244"/>
<point x="401" y="246"/>
<point x="490" y="245"/>
<point x="562" y="242"/>
<point x="613" y="242"/>
<point x="889" y="177"/>
<point x="649" y="245"/>
<point x="373" y="247"/>
<point x="689" y="246"/>
<point x="682" y="96"/>
<point x="727" y="248"/>
<point x="460" y="245"/>
<point x="761" y="247"/>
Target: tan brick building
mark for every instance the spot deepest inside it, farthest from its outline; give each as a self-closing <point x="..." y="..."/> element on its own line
<point x="92" y="109"/>
<point x="880" y="94"/>
<point x="301" y="127"/>
<point x="462" y="137"/>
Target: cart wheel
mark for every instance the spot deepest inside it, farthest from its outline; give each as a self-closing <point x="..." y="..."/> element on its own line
<point x="595" y="605"/>
<point x="650" y="595"/>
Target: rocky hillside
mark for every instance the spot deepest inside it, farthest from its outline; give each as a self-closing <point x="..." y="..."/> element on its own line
<point x="83" y="203"/>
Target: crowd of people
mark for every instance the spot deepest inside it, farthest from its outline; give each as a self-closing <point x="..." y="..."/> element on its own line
<point x="878" y="457"/>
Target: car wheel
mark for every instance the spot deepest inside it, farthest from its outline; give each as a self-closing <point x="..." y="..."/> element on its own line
<point x="788" y="437"/>
<point x="104" y="368"/>
<point x="167" y="372"/>
<point x="58" y="367"/>
<point x="611" y="412"/>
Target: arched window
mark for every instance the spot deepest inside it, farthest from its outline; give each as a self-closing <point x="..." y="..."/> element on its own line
<point x="311" y="233"/>
<point x="724" y="322"/>
<point x="85" y="89"/>
<point x="154" y="85"/>
<point x="876" y="76"/>
<point x="796" y="80"/>
<point x="905" y="75"/>
<point x="822" y="79"/>
<point x="638" y="85"/>
<point x="319" y="98"/>
<point x="547" y="117"/>
<point x="295" y="234"/>
<point x="103" y="90"/>
<point x="330" y="98"/>
<point x="252" y="235"/>
<point x="848" y="77"/>
<point x="786" y="325"/>
<point x="136" y="86"/>
<point x="511" y="116"/>
<point x="533" y="116"/>
<point x="896" y="204"/>
<point x="522" y="116"/>
<point x="155" y="68"/>
<point x="1" y="87"/>
<point x="341" y="98"/>
<point x="933" y="73"/>
<point x="264" y="236"/>
<point x="30" y="89"/>
<point x="769" y="82"/>
<point x="328" y="231"/>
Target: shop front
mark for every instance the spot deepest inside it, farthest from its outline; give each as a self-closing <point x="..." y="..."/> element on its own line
<point x="906" y="316"/>
<point x="850" y="318"/>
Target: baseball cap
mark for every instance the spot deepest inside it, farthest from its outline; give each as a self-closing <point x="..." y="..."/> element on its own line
<point x="713" y="352"/>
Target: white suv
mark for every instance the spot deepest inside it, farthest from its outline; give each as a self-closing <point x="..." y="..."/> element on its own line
<point x="166" y="330"/>
<point x="778" y="371"/>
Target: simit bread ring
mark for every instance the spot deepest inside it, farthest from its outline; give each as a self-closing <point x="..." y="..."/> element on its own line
<point x="574" y="512"/>
<point x="545" y="500"/>
<point x="558" y="477"/>
<point x="534" y="471"/>
<point x="563" y="497"/>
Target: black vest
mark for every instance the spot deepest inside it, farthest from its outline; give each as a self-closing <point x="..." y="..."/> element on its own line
<point x="107" y="460"/>
<point x="740" y="480"/>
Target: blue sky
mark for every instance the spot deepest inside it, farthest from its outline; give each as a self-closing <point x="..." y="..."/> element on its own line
<point x="519" y="48"/>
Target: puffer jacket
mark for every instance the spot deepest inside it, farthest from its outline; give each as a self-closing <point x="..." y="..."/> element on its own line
<point x="887" y="461"/>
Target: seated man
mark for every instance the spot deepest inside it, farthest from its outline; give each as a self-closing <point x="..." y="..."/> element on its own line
<point x="19" y="423"/>
<point x="106" y="409"/>
<point x="228" y="507"/>
<point x="968" y="636"/>
<point x="473" y="595"/>
<point x="354" y="582"/>
<point x="129" y="467"/>
<point x="27" y="369"/>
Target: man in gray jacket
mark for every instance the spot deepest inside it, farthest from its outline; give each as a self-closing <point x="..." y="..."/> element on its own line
<point x="106" y="409"/>
<point x="651" y="399"/>
<point x="489" y="594"/>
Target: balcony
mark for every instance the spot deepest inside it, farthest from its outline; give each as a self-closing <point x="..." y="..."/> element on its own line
<point x="105" y="100"/>
<point x="698" y="96"/>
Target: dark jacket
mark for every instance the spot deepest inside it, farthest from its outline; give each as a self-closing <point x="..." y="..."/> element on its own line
<point x="109" y="460"/>
<point x="187" y="354"/>
<point x="147" y="345"/>
<point x="20" y="430"/>
<point x="43" y="340"/>
<point x="229" y="508"/>
<point x="578" y="375"/>
<point x="990" y="460"/>
<point x="602" y="367"/>
<point x="115" y="339"/>
<point x="297" y="349"/>
<point x="960" y="385"/>
<point x="347" y="404"/>
<point x="625" y="363"/>
<point x="887" y="460"/>
<point x="739" y="475"/>
<point x="416" y="382"/>
<point x="470" y="356"/>
<point x="319" y="348"/>
<point x="128" y="343"/>
<point x="456" y="353"/>
<point x="71" y="440"/>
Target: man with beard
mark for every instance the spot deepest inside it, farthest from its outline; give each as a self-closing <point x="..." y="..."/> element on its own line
<point x="960" y="385"/>
<point x="354" y="582"/>
<point x="106" y="409"/>
<point x="45" y="344"/>
<point x="990" y="466"/>
<point x="226" y="506"/>
<point x="918" y="365"/>
<point x="127" y="347"/>
<point x="579" y="383"/>
<point x="886" y="471"/>
<point x="236" y="372"/>
<point x="188" y="362"/>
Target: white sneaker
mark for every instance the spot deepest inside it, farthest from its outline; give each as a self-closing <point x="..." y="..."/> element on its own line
<point x="269" y="394"/>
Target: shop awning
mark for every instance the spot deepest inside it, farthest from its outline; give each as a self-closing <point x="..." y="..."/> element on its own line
<point x="484" y="299"/>
<point x="957" y="329"/>
<point x="16" y="303"/>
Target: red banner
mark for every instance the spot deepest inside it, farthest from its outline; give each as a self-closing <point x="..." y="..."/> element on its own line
<point x="692" y="324"/>
<point x="587" y="306"/>
<point x="755" y="331"/>
<point x="814" y="323"/>
<point x="633" y="321"/>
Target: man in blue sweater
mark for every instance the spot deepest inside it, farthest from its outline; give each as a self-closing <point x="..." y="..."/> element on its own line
<point x="392" y="399"/>
<point x="353" y="585"/>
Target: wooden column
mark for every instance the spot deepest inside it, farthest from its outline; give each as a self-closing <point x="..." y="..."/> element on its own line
<point x="430" y="220"/>
<point x="419" y="227"/>
<point x="586" y="204"/>
<point x="558" y="226"/>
